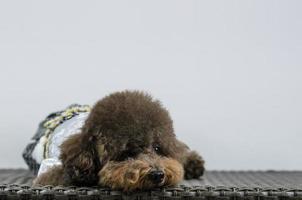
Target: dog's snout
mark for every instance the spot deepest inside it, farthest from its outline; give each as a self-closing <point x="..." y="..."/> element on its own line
<point x="156" y="176"/>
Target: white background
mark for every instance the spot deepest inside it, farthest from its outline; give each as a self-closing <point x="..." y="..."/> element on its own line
<point x="228" y="71"/>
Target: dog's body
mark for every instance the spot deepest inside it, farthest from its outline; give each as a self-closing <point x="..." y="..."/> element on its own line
<point x="127" y="142"/>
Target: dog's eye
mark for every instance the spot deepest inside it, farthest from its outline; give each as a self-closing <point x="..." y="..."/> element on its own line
<point x="156" y="148"/>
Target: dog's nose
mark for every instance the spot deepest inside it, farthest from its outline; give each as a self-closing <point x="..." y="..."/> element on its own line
<point x="156" y="176"/>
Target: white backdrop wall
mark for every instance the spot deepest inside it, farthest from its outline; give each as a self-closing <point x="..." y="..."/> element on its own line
<point x="228" y="71"/>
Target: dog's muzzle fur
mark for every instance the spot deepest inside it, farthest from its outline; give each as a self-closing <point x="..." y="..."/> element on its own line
<point x="147" y="171"/>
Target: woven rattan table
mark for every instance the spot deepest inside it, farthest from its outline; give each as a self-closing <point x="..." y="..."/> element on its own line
<point x="260" y="185"/>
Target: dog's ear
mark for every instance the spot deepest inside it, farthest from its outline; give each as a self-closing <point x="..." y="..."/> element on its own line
<point x="80" y="160"/>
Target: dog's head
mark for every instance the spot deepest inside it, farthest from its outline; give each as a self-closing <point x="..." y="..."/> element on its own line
<point x="127" y="143"/>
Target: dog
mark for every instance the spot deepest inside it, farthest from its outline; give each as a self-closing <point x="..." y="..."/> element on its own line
<point x="127" y="142"/>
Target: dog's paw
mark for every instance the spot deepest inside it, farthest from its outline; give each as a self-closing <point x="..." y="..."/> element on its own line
<point x="194" y="166"/>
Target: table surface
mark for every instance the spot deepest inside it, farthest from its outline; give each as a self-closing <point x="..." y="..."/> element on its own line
<point x="251" y="179"/>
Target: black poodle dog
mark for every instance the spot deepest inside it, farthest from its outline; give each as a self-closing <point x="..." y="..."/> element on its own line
<point x="127" y="142"/>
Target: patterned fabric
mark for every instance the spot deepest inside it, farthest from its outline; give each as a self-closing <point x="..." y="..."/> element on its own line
<point x="43" y="152"/>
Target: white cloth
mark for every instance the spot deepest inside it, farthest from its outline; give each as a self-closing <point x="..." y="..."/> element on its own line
<point x="47" y="164"/>
<point x="55" y="139"/>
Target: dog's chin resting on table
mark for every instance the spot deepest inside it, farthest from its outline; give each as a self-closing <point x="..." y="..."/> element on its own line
<point x="128" y="143"/>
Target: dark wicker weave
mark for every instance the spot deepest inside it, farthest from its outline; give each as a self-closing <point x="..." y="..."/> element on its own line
<point x="250" y="185"/>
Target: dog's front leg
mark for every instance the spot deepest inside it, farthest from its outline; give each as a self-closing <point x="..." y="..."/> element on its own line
<point x="192" y="162"/>
<point x="193" y="165"/>
<point x="53" y="176"/>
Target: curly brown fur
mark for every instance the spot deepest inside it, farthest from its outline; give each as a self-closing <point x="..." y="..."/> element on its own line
<point x="127" y="136"/>
<point x="132" y="173"/>
<point x="52" y="177"/>
<point x="194" y="165"/>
